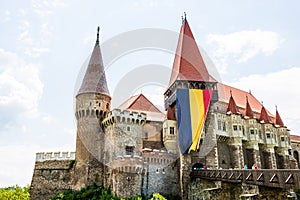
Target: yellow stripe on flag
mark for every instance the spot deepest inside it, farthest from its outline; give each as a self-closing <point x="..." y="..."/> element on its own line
<point x="197" y="115"/>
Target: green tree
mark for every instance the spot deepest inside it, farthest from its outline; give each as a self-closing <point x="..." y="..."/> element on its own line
<point x="15" y="193"/>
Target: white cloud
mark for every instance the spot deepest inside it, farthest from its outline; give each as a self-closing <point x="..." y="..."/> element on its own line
<point x="5" y="16"/>
<point x="20" y="87"/>
<point x="46" y="7"/>
<point x="34" y="46"/>
<point x="242" y="46"/>
<point x="277" y="88"/>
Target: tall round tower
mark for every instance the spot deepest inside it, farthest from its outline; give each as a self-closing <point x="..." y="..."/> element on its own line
<point x="92" y="105"/>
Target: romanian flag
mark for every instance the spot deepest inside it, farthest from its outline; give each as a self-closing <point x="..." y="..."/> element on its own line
<point x="192" y="107"/>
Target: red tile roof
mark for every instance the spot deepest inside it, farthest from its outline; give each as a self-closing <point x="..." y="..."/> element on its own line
<point x="94" y="80"/>
<point x="188" y="62"/>
<point x="139" y="103"/>
<point x="240" y="99"/>
<point x="295" y="138"/>
<point x="278" y="119"/>
<point x="264" y="116"/>
<point x="170" y="114"/>
<point x="232" y="108"/>
<point x="249" y="112"/>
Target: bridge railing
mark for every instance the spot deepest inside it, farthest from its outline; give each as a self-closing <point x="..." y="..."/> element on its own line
<point x="280" y="178"/>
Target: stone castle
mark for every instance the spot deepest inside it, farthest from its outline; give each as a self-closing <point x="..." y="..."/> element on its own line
<point x="133" y="149"/>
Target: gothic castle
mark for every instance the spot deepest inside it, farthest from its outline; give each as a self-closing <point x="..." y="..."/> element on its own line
<point x="133" y="149"/>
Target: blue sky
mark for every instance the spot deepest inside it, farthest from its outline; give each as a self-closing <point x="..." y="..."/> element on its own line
<point x="43" y="45"/>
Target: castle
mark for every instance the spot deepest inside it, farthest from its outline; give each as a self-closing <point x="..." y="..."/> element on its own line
<point x="133" y="149"/>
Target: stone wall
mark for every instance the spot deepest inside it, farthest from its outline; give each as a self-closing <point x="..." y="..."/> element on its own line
<point x="51" y="177"/>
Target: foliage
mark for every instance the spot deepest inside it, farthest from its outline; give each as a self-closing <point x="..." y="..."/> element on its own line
<point x="95" y="192"/>
<point x="71" y="164"/>
<point x="92" y="192"/>
<point x="15" y="193"/>
<point x="157" y="196"/>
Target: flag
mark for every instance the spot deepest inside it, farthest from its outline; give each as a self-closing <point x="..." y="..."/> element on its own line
<point x="192" y="107"/>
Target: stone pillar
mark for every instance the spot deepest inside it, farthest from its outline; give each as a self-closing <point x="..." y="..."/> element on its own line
<point x="254" y="152"/>
<point x="237" y="158"/>
<point x="185" y="170"/>
<point x="271" y="157"/>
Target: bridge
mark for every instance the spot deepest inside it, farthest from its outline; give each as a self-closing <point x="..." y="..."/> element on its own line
<point x="279" y="178"/>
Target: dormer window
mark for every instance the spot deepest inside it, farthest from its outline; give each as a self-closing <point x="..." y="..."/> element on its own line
<point x="171" y="130"/>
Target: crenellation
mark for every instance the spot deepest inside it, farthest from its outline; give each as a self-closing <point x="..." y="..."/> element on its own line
<point x="45" y="156"/>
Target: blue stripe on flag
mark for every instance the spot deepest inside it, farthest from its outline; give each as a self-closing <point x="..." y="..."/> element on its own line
<point x="183" y="120"/>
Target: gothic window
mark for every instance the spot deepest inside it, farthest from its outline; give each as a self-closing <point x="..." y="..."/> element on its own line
<point x="128" y="128"/>
<point x="90" y="103"/>
<point x="171" y="130"/>
<point x="224" y="126"/>
<point x="219" y="125"/>
<point x="129" y="150"/>
<point x="240" y="127"/>
<point x="146" y="135"/>
<point x="259" y="134"/>
<point x="268" y="135"/>
<point x="235" y="127"/>
<point x="282" y="139"/>
<point x="99" y="104"/>
<point x="252" y="132"/>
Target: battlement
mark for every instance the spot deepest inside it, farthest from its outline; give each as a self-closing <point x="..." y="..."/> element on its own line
<point x="45" y="156"/>
<point x="124" y="116"/>
<point x="128" y="163"/>
<point x="157" y="157"/>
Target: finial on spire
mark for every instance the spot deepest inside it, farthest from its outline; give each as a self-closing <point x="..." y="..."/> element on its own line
<point x="262" y="103"/>
<point x="183" y="18"/>
<point x="247" y="98"/>
<point x="276" y="107"/>
<point x="249" y="91"/>
<point x="231" y="93"/>
<point x="97" y="41"/>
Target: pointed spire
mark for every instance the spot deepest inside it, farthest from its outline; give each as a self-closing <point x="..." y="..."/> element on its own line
<point x="278" y="120"/>
<point x="97" y="41"/>
<point x="232" y="107"/>
<point x="94" y="80"/>
<point x="170" y="114"/>
<point x="249" y="112"/>
<point x="188" y="62"/>
<point x="264" y="117"/>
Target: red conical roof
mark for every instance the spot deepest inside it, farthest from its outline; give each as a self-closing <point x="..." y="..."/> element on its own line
<point x="232" y="107"/>
<point x="188" y="63"/>
<point x="94" y="80"/>
<point x="170" y="114"/>
<point x="249" y="112"/>
<point x="139" y="103"/>
<point x="264" y="116"/>
<point x="278" y="120"/>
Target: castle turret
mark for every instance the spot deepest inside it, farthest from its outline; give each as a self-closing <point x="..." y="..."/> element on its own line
<point x="235" y="128"/>
<point x="189" y="72"/>
<point x="92" y="105"/>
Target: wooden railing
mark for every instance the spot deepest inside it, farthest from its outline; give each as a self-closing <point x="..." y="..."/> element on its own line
<point x="280" y="178"/>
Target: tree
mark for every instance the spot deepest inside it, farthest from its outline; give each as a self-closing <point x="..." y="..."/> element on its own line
<point x="15" y="193"/>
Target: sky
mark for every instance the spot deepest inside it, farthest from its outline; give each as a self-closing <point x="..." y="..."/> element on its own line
<point x="45" y="44"/>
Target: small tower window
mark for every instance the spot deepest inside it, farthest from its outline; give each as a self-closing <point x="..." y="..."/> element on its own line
<point x="128" y="128"/>
<point x="129" y="150"/>
<point x="235" y="127"/>
<point x="282" y="139"/>
<point x="268" y="135"/>
<point x="99" y="104"/>
<point x="107" y="106"/>
<point x="219" y="125"/>
<point x="146" y="135"/>
<point x="224" y="126"/>
<point x="252" y="132"/>
<point x="171" y="130"/>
